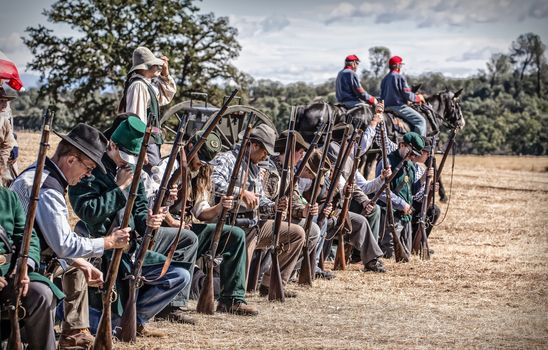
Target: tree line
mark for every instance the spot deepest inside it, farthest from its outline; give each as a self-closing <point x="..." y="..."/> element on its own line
<point x="504" y="105"/>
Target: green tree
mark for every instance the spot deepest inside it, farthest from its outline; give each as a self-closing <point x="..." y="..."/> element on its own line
<point x="378" y="60"/>
<point x="498" y="66"/>
<point x="527" y="51"/>
<point x="97" y="58"/>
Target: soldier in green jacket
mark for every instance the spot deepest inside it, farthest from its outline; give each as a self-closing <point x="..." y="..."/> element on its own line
<point x="403" y="187"/>
<point x="40" y="296"/>
<point x="99" y="199"/>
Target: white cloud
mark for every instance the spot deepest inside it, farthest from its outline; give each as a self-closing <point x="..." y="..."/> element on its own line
<point x="11" y="43"/>
<point x="482" y="54"/>
<point x="428" y="13"/>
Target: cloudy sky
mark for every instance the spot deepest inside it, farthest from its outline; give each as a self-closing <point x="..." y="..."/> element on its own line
<point x="304" y="40"/>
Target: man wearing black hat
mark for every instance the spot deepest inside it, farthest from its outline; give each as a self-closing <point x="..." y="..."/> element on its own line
<point x="78" y="153"/>
<point x="97" y="201"/>
<point x="403" y="186"/>
<point x="255" y="202"/>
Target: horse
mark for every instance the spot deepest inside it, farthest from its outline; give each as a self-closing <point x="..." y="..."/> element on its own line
<point x="441" y="110"/>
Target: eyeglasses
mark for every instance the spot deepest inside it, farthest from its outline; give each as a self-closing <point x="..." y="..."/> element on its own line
<point x="88" y="167"/>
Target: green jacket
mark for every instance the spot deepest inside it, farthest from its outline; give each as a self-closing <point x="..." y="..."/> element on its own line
<point x="12" y="219"/>
<point x="97" y="199"/>
<point x="403" y="182"/>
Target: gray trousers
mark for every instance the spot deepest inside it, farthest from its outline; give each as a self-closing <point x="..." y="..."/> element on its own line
<point x="403" y="230"/>
<point x="361" y="237"/>
<point x="37" y="326"/>
<point x="75" y="304"/>
<point x="313" y="239"/>
<point x="186" y="253"/>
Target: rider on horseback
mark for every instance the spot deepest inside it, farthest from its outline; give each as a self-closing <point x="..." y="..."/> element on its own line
<point x="349" y="91"/>
<point x="396" y="93"/>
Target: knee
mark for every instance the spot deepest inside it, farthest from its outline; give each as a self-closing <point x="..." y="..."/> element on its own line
<point x="39" y="295"/>
<point x="179" y="278"/>
<point x="298" y="233"/>
<point x="237" y="235"/>
<point x="314" y="232"/>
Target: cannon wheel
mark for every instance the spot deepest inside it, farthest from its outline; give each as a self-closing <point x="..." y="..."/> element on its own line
<point x="228" y="128"/>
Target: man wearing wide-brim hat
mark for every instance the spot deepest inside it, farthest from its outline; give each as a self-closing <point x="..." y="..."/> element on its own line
<point x="97" y="200"/>
<point x="9" y="149"/>
<point x="254" y="202"/>
<point x="403" y="186"/>
<point x="75" y="157"/>
<point x="148" y="86"/>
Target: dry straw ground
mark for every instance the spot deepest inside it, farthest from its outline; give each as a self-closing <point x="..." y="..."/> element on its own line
<point x="485" y="287"/>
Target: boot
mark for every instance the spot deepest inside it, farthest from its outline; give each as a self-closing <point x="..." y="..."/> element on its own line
<point x="76" y="339"/>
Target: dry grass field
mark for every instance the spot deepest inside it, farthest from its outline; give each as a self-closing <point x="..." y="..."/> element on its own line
<point x="485" y="287"/>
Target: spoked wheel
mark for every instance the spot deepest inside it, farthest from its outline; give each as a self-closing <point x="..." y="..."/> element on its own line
<point x="228" y="128"/>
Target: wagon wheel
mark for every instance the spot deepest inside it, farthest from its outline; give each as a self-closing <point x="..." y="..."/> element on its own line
<point x="228" y="128"/>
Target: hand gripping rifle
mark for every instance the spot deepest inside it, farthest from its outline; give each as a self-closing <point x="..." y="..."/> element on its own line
<point x="135" y="280"/>
<point x="14" y="341"/>
<point x="340" y="258"/>
<point x="400" y="252"/>
<point x="103" y="338"/>
<point x="276" y="290"/>
<point x="206" y="302"/>
<point x="420" y="243"/>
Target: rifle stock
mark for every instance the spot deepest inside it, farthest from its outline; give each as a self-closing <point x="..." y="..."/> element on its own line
<point x="275" y="290"/>
<point x="340" y="257"/>
<point x="128" y="323"/>
<point x="420" y="242"/>
<point x="400" y="252"/>
<point x="206" y="301"/>
<point x="21" y="269"/>
<point x="306" y="272"/>
<point x="103" y="338"/>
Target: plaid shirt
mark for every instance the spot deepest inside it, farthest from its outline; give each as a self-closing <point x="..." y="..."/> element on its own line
<point x="223" y="164"/>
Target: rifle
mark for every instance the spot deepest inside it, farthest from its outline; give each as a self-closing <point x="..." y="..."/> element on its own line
<point x="276" y="291"/>
<point x="420" y="243"/>
<point x="103" y="338"/>
<point x="400" y="252"/>
<point x="135" y="280"/>
<point x="212" y="123"/>
<point x="206" y="302"/>
<point x="306" y="272"/>
<point x="340" y="258"/>
<point x="14" y="341"/>
<point x="336" y="168"/>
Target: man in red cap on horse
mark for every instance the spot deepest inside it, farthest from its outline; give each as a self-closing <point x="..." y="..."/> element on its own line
<point x="396" y="93"/>
<point x="349" y="91"/>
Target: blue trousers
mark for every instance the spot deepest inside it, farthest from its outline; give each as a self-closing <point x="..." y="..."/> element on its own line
<point x="417" y="121"/>
<point x="152" y="297"/>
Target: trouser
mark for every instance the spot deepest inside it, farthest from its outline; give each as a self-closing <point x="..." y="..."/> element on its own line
<point x="417" y="121"/>
<point x="361" y="237"/>
<point x="75" y="304"/>
<point x="37" y="326"/>
<point x="319" y="246"/>
<point x="152" y="297"/>
<point x="233" y="264"/>
<point x="403" y="230"/>
<point x="374" y="218"/>
<point x="313" y="238"/>
<point x="185" y="254"/>
<point x="291" y="240"/>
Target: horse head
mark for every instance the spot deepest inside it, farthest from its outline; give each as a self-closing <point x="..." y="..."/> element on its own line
<point x="446" y="105"/>
<point x="310" y="118"/>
